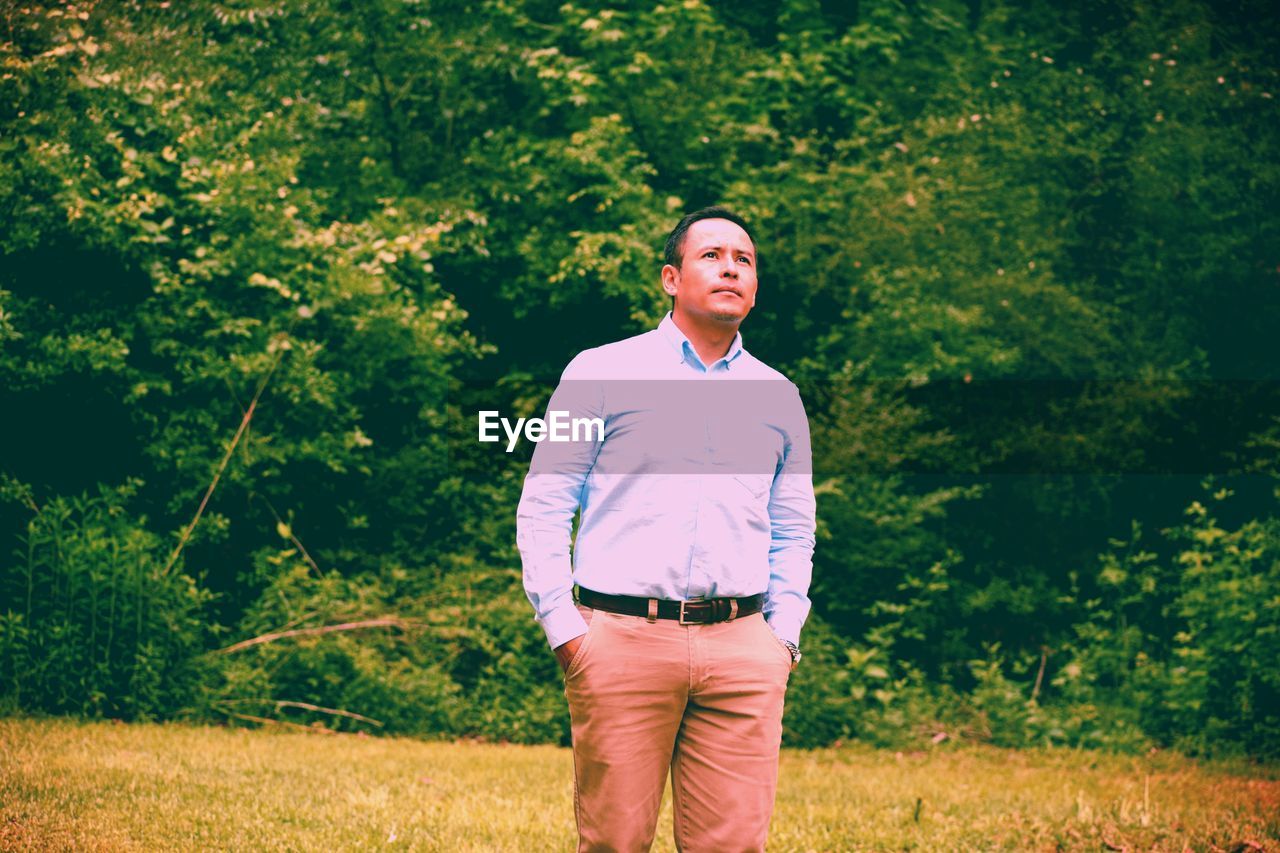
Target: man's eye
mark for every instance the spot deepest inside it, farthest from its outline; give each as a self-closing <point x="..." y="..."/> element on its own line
<point x="744" y="258"/>
<point x="708" y="254"/>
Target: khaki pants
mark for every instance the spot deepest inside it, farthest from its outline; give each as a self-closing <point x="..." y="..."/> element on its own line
<point x="702" y="700"/>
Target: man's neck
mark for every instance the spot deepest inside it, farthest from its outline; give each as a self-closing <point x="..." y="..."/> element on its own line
<point x="710" y="339"/>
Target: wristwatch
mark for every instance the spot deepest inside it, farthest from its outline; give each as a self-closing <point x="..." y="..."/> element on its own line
<point x="795" y="652"/>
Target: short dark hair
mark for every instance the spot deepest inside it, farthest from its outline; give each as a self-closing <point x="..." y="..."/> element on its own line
<point x="674" y="252"/>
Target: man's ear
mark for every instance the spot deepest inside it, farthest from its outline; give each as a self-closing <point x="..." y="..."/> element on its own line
<point x="669" y="276"/>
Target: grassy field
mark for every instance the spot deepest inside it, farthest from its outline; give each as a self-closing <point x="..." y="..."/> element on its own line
<point x="103" y="786"/>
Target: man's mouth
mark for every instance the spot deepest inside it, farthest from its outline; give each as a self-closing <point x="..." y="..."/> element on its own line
<point x="732" y="290"/>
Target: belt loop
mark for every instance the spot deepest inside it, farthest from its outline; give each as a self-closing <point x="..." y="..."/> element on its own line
<point x="733" y="609"/>
<point x="653" y="610"/>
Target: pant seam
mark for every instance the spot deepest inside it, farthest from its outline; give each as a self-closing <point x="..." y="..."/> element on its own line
<point x="679" y="808"/>
<point x="577" y="801"/>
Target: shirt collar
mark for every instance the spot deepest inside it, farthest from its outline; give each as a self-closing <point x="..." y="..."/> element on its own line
<point x="684" y="349"/>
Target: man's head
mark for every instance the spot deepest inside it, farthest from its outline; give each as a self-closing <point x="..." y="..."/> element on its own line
<point x="710" y="268"/>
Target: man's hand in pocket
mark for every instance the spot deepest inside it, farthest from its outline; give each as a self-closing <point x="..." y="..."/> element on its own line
<point x="565" y="652"/>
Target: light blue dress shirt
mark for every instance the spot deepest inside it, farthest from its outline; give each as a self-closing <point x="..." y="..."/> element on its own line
<point x="702" y="486"/>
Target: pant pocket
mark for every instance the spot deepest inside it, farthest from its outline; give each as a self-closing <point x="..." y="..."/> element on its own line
<point x="593" y="627"/>
<point x="777" y="643"/>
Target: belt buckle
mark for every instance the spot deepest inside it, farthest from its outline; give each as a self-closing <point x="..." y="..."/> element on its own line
<point x="681" y="615"/>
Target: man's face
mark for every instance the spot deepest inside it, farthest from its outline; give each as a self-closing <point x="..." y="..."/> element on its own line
<point x="716" y="279"/>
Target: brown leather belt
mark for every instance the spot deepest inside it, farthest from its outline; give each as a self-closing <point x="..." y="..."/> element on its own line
<point x="695" y="611"/>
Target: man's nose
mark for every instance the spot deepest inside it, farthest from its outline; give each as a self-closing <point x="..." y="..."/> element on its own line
<point x="729" y="271"/>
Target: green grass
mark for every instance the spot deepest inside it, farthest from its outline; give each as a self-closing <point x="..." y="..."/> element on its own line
<point x="103" y="786"/>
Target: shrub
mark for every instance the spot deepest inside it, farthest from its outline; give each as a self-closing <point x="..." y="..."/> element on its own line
<point x="93" y="624"/>
<point x="1185" y="647"/>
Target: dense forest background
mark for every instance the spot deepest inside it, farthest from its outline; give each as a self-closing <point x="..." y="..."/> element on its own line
<point x="262" y="262"/>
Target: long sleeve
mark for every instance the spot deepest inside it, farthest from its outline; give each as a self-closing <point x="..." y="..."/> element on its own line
<point x="793" y="521"/>
<point x="553" y="491"/>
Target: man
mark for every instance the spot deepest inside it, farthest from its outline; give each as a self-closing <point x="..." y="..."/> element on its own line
<point x="693" y="559"/>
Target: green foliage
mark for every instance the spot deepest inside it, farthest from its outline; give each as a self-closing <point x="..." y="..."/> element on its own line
<point x="93" y="624"/>
<point x="1223" y="684"/>
<point x="371" y="671"/>
<point x="1185" y="646"/>
<point x="466" y="659"/>
<point x="362" y="222"/>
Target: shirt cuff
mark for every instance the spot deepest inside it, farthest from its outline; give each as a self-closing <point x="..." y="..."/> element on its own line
<point x="563" y="624"/>
<point x="784" y="631"/>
